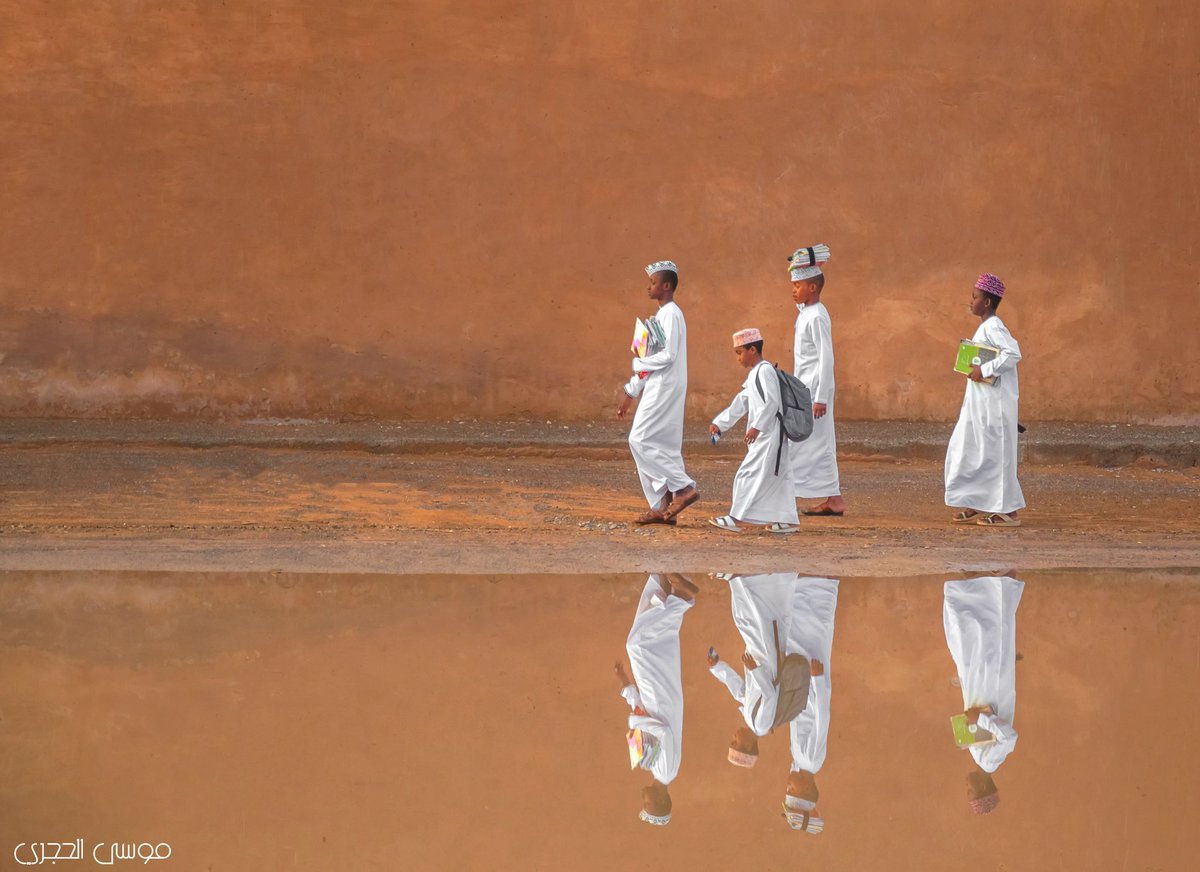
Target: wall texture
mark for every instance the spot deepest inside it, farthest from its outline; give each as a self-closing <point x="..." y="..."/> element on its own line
<point x="436" y="209"/>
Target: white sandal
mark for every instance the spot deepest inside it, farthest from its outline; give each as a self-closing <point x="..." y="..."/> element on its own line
<point x="725" y="522"/>
<point x="781" y="528"/>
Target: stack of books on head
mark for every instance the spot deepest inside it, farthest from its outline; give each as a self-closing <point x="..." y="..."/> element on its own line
<point x="648" y="337"/>
<point x="974" y="354"/>
<point x="643" y="749"/>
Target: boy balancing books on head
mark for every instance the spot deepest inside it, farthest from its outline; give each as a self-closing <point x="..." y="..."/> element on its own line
<point x="814" y="461"/>
<point x="762" y="487"/>
<point x="981" y="460"/>
<point x="660" y="379"/>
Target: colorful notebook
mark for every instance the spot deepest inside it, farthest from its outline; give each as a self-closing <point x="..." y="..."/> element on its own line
<point x="974" y="354"/>
<point x="648" y="337"/>
<point x="643" y="749"/>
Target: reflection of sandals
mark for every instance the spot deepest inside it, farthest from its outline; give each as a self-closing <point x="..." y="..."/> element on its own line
<point x="725" y="522"/>
<point x="678" y="506"/>
<point x="998" y="519"/>
<point x="966" y="517"/>
<point x="653" y="516"/>
<point x="782" y="528"/>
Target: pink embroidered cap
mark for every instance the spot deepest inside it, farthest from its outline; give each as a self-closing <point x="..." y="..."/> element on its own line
<point x="990" y="284"/>
<point x="745" y="337"/>
<point x="985" y="804"/>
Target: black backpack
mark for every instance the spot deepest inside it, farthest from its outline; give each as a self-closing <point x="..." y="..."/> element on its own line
<point x="796" y="416"/>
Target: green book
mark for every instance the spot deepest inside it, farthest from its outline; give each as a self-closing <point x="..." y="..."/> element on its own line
<point x="965" y="735"/>
<point x="974" y="354"/>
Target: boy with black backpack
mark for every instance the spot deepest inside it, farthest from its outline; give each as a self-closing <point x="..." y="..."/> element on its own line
<point x="763" y="493"/>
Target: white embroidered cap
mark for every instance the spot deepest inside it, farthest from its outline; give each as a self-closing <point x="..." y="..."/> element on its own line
<point x="660" y="265"/>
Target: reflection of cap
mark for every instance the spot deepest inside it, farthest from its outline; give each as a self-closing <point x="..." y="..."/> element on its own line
<point x="985" y="804"/>
<point x="802" y="815"/>
<point x="654" y="820"/>
<point x="660" y="265"/>
<point x="741" y="758"/>
<point x="990" y="284"/>
<point x="745" y="337"/>
<point x="803" y="264"/>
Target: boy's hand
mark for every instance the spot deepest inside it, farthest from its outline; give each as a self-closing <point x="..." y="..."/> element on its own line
<point x="751" y="435"/>
<point x="623" y="408"/>
<point x="748" y="661"/>
<point x="622" y="675"/>
<point x="714" y="430"/>
<point x="975" y="375"/>
<point x="818" y="410"/>
<point x="818" y="668"/>
<point x="974" y="712"/>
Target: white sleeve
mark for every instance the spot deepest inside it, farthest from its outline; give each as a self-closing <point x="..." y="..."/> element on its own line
<point x="733" y="414"/>
<point x="820" y="389"/>
<point x="1001" y="729"/>
<point x="630" y="694"/>
<point x="1010" y="352"/>
<point x="728" y="676"/>
<point x="634" y="386"/>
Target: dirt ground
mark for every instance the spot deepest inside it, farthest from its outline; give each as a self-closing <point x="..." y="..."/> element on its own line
<point x="530" y="510"/>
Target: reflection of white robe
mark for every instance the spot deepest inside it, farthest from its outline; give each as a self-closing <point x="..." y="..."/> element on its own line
<point x="656" y="438"/>
<point x="653" y="649"/>
<point x="811" y="634"/>
<point x="759" y="495"/>
<point x="980" y="617"/>
<point x="981" y="460"/>
<point x="759" y="603"/>
<point x="814" y="461"/>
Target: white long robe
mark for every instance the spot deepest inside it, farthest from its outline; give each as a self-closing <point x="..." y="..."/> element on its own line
<point x="759" y="603"/>
<point x="656" y="438"/>
<point x="981" y="460"/>
<point x="811" y="634"/>
<point x="760" y="495"/>
<point x="980" y="618"/>
<point x="814" y="461"/>
<point x="653" y="649"/>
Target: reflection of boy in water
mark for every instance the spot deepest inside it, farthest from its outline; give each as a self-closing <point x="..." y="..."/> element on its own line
<point x="655" y="692"/>
<point x="980" y="620"/>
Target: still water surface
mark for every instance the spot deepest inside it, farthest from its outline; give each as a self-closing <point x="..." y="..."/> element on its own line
<point x="264" y="722"/>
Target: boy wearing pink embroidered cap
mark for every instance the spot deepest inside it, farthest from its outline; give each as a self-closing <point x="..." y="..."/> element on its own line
<point x="981" y="459"/>
<point x="762" y="487"/>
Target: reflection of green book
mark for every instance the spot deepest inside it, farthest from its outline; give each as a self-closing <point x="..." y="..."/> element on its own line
<point x="974" y="354"/>
<point x="965" y="735"/>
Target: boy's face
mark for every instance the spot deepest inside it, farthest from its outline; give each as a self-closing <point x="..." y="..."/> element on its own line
<point x="980" y="303"/>
<point x="746" y="356"/>
<point x="804" y="293"/>
<point x="658" y="288"/>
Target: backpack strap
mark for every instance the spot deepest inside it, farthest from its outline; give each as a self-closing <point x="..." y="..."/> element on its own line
<point x="778" y="415"/>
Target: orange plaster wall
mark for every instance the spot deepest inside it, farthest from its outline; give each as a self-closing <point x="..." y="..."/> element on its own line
<point x="403" y="209"/>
